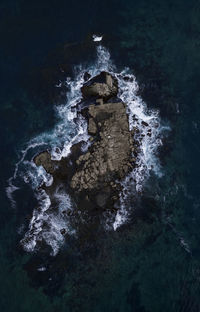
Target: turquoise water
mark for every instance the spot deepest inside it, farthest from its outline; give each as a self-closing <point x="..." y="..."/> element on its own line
<point x="152" y="263"/>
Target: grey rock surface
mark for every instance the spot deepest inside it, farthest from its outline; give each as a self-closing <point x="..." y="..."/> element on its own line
<point x="102" y="86"/>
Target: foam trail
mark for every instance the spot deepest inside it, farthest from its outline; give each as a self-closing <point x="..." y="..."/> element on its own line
<point x="147" y="129"/>
<point x="34" y="232"/>
<point x="57" y="221"/>
<point x="11" y="188"/>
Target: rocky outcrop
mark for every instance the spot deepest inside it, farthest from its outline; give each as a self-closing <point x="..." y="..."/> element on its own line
<point x="92" y="177"/>
<point x="102" y="86"/>
<point x="109" y="157"/>
<point x="44" y="159"/>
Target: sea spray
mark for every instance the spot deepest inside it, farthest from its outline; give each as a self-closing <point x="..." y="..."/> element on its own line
<point x="46" y="226"/>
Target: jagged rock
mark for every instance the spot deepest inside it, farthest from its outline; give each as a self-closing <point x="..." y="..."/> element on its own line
<point x="44" y="159"/>
<point x="102" y="86"/>
<point x="86" y="76"/>
<point x="92" y="128"/>
<point x="112" y="153"/>
<point x="63" y="231"/>
<point x="145" y="124"/>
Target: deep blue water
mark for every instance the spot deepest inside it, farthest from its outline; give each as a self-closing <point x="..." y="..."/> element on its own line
<point x="151" y="264"/>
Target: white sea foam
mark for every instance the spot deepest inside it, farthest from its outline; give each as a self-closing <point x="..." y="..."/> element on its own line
<point x="35" y="175"/>
<point x="10" y="189"/>
<point x="97" y="38"/>
<point x="46" y="225"/>
<point x="121" y="218"/>
<point x="35" y="231"/>
<point x="41" y="269"/>
<point x="149" y="138"/>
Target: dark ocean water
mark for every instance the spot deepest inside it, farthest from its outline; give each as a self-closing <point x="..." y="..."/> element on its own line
<point x="151" y="264"/>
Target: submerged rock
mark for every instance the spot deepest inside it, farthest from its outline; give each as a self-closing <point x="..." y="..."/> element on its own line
<point x="87" y="76"/>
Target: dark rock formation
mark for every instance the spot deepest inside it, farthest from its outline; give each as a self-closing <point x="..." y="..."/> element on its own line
<point x="102" y="86"/>
<point x="87" y="76"/>
<point x="44" y="159"/>
<point x="92" y="178"/>
<point x="109" y="157"/>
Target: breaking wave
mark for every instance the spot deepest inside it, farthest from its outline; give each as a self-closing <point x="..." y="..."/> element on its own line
<point x="46" y="225"/>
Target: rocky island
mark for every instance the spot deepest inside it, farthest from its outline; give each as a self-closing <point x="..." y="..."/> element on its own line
<point x="92" y="178"/>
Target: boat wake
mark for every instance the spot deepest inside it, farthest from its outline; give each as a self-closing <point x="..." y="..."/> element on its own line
<point x="46" y="225"/>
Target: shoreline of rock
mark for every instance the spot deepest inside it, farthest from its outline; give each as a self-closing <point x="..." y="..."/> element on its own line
<point x="92" y="178"/>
